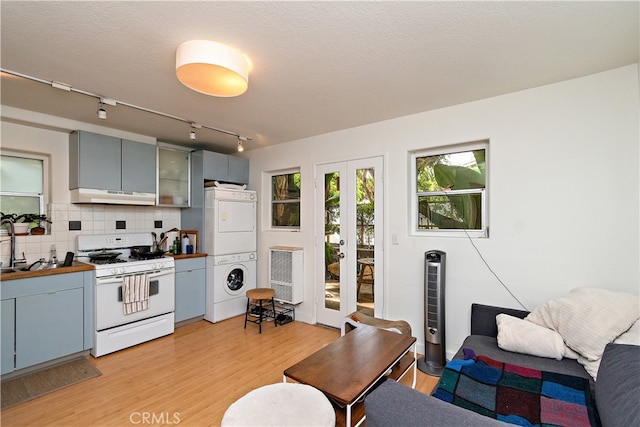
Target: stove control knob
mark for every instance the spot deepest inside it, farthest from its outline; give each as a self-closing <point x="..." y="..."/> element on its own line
<point x="113" y="271"/>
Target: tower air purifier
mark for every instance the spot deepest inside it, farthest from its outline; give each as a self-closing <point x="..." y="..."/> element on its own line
<point x="434" y="346"/>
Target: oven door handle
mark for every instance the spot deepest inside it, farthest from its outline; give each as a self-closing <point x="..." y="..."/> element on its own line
<point x="161" y="273"/>
<point x="119" y="278"/>
<point x="108" y="281"/>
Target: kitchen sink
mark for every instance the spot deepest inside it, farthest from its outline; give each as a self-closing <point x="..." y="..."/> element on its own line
<point x="7" y="270"/>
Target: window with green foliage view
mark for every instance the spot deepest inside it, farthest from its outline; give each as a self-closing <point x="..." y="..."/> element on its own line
<point x="450" y="191"/>
<point x="21" y="185"/>
<point x="285" y="200"/>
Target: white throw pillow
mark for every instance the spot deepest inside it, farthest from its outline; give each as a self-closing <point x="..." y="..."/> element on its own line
<point x="588" y="319"/>
<point x="632" y="336"/>
<point x="521" y="336"/>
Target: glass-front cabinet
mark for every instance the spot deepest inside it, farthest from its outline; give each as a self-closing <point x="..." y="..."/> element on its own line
<point x="174" y="176"/>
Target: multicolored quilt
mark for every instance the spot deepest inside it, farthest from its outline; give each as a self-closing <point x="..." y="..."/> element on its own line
<point x="517" y="395"/>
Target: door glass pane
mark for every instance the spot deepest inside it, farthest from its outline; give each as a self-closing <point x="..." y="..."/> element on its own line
<point x="365" y="228"/>
<point x="332" y="240"/>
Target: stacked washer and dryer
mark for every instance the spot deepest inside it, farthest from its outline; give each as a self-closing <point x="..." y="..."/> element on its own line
<point x="230" y="227"/>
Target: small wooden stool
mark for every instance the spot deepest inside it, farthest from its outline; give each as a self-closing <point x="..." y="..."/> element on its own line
<point x="258" y="295"/>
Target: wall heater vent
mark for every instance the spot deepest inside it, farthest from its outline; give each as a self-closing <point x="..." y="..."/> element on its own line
<point x="434" y="280"/>
<point x="286" y="273"/>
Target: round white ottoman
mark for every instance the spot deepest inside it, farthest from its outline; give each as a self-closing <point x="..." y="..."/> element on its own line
<point x="282" y="404"/>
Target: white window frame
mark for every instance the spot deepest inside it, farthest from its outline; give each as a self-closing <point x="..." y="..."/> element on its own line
<point x="271" y="175"/>
<point x="44" y="197"/>
<point x="483" y="232"/>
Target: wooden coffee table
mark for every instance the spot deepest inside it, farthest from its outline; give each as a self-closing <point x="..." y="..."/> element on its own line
<point x="349" y="367"/>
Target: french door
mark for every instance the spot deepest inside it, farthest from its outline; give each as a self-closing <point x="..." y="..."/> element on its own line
<point x="349" y="230"/>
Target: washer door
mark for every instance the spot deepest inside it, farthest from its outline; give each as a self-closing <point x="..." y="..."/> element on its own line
<point x="235" y="279"/>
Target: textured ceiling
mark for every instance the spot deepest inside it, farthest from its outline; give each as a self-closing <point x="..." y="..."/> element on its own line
<point x="317" y="67"/>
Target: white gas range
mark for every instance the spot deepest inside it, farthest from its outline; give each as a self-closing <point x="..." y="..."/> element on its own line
<point x="134" y="295"/>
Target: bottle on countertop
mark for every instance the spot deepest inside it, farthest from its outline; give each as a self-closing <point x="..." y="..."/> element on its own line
<point x="176" y="246"/>
<point x="185" y="243"/>
<point x="53" y="257"/>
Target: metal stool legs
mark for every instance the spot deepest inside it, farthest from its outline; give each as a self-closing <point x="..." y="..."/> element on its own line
<point x="261" y="315"/>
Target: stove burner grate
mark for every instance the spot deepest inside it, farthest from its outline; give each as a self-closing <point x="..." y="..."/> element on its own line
<point x="99" y="261"/>
<point x="147" y="255"/>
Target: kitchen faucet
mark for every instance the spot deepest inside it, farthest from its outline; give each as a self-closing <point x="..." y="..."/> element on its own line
<point x="12" y="257"/>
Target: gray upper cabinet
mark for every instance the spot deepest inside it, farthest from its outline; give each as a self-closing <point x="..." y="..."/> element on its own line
<point x="222" y="167"/>
<point x="108" y="163"/>
<point x="95" y="161"/>
<point x="138" y="167"/>
<point x="215" y="166"/>
<point x="238" y="170"/>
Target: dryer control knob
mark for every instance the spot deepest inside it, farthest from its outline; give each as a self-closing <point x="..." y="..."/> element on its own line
<point x="252" y="256"/>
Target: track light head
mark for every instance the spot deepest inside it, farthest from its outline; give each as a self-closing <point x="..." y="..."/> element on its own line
<point x="192" y="135"/>
<point x="240" y="146"/>
<point x="102" y="113"/>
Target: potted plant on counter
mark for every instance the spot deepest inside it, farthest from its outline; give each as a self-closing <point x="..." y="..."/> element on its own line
<point x="22" y="222"/>
<point x="39" y="220"/>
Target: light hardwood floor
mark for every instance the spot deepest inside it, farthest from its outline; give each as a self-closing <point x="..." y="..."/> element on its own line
<point x="189" y="378"/>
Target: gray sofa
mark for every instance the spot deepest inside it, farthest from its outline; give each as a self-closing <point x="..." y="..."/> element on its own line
<point x="617" y="390"/>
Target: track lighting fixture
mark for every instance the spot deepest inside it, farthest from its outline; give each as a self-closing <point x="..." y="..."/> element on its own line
<point x="102" y="101"/>
<point x="102" y="113"/>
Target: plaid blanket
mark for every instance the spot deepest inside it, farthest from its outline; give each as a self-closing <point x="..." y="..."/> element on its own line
<point x="517" y="395"/>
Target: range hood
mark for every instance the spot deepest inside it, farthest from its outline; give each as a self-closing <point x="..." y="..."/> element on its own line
<point x="112" y="197"/>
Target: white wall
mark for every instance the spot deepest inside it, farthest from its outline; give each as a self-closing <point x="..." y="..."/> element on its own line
<point x="564" y="188"/>
<point x="30" y="132"/>
<point x="563" y="197"/>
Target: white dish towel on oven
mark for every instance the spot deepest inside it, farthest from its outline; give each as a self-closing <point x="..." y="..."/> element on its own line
<point x="135" y="293"/>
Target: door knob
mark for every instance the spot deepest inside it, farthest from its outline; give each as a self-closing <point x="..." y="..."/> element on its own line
<point x="341" y="255"/>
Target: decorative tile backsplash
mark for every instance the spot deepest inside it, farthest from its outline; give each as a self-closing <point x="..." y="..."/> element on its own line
<point x="93" y="219"/>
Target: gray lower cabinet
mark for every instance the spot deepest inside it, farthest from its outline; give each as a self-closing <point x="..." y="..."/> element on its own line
<point x="190" y="288"/>
<point x="48" y="326"/>
<point x="8" y="334"/>
<point x="45" y="318"/>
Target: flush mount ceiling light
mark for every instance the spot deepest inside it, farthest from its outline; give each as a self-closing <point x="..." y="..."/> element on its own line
<point x="212" y="68"/>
